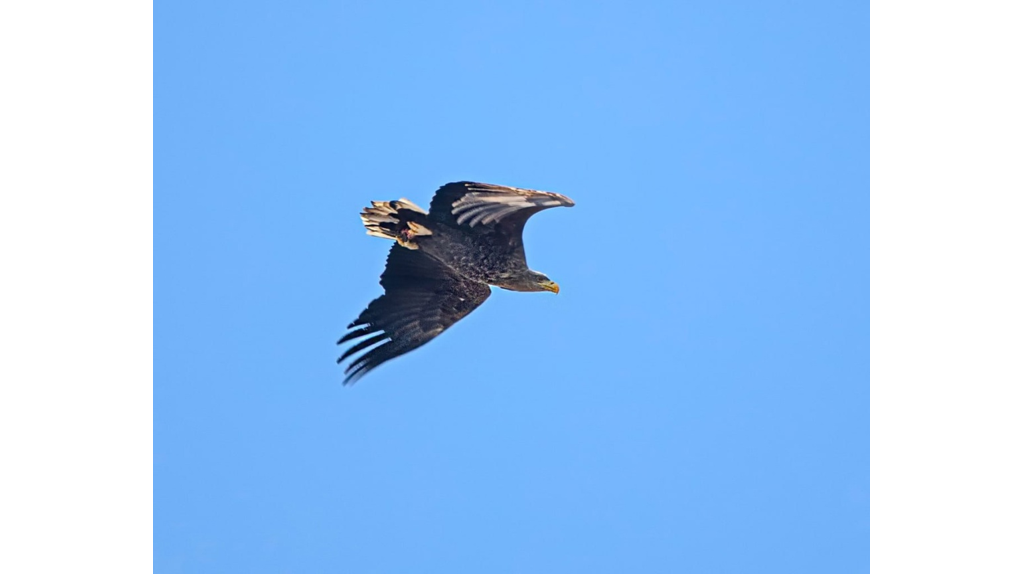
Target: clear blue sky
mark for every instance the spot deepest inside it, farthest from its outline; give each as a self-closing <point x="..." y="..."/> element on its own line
<point x="695" y="399"/>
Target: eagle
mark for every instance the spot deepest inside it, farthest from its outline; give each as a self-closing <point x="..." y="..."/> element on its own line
<point x="442" y="265"/>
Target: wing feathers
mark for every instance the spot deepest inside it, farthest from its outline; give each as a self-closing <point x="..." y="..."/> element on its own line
<point x="491" y="206"/>
<point x="473" y="204"/>
<point x="421" y="299"/>
<point x="355" y="334"/>
<point x="362" y="345"/>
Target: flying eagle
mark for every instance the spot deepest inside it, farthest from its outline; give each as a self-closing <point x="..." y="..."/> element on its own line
<point x="442" y="264"/>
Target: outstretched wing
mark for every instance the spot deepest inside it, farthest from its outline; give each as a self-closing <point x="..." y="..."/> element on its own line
<point x="421" y="299"/>
<point x="484" y="208"/>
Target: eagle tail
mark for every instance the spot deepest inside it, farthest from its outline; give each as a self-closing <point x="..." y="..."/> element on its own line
<point x="400" y="220"/>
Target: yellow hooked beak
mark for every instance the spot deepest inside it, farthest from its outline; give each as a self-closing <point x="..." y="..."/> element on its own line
<point x="549" y="286"/>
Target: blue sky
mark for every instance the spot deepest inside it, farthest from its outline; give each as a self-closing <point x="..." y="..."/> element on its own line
<point x="694" y="400"/>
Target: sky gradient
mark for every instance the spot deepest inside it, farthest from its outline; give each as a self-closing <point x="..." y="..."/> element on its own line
<point x="694" y="400"/>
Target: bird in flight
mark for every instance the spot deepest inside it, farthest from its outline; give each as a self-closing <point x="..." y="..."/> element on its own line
<point x="442" y="265"/>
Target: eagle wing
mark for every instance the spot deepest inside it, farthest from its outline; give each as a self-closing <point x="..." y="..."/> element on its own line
<point x="487" y="208"/>
<point x="421" y="299"/>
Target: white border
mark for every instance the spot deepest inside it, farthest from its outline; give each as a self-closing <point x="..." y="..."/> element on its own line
<point x="76" y="293"/>
<point x="947" y="281"/>
<point x="76" y="243"/>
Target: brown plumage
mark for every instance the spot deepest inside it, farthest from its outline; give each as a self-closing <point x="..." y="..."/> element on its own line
<point x="442" y="264"/>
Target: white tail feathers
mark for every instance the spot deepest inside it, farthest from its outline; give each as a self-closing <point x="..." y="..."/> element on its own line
<point x="383" y="219"/>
